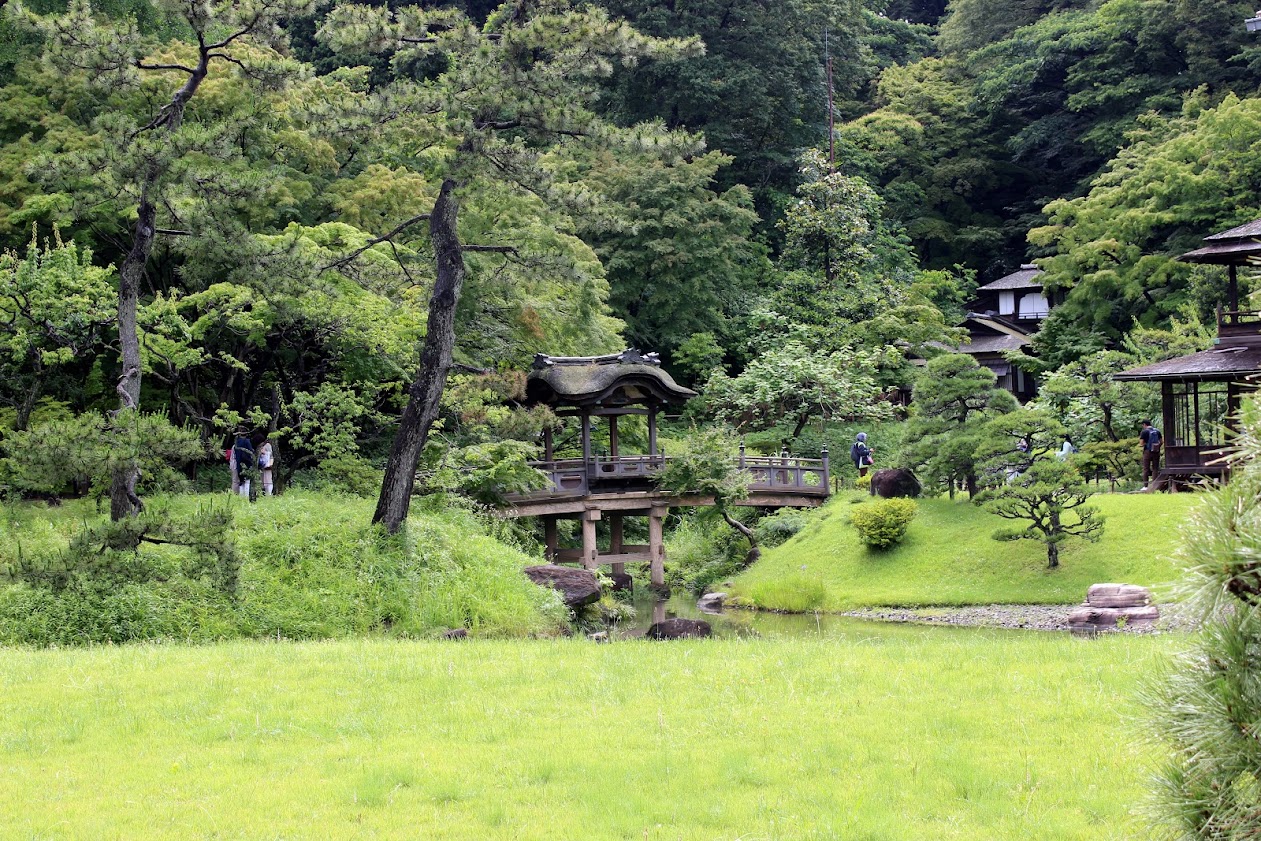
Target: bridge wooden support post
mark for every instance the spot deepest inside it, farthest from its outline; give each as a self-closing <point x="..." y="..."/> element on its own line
<point x="656" y="547"/>
<point x="549" y="538"/>
<point x="615" y="541"/>
<point x="589" y="548"/>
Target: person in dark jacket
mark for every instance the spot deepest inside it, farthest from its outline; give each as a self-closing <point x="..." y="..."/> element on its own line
<point x="860" y="454"/>
<point x="1152" y="440"/>
<point x="243" y="456"/>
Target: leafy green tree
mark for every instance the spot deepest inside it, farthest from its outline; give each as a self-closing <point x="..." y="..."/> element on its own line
<point x="680" y="258"/>
<point x="148" y="154"/>
<point x="513" y="90"/>
<point x="758" y="93"/>
<point x="1173" y="184"/>
<point x="970" y="24"/>
<point x="944" y="178"/>
<point x="1088" y="399"/>
<point x="1206" y="706"/>
<point x="55" y="307"/>
<point x="793" y="384"/>
<point x="97" y="450"/>
<point x="953" y="399"/>
<point x="707" y="466"/>
<point x="1027" y="481"/>
<point x="1050" y="499"/>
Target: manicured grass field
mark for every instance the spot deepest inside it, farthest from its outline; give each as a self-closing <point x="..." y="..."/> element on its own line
<point x="871" y="733"/>
<point x="949" y="557"/>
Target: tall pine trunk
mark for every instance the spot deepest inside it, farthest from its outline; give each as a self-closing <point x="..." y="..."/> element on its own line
<point x="123" y="501"/>
<point x="1053" y="546"/>
<point x="435" y="362"/>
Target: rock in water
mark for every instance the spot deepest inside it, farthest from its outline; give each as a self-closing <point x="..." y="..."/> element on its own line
<point x="1118" y="595"/>
<point x="577" y="587"/>
<point x="711" y="602"/>
<point x="894" y="481"/>
<point x="675" y="629"/>
<point x="622" y="582"/>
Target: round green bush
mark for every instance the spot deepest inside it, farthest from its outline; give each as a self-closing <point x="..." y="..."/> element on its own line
<point x="883" y="523"/>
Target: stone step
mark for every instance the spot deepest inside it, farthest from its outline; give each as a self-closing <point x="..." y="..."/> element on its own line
<point x="1117" y="595"/>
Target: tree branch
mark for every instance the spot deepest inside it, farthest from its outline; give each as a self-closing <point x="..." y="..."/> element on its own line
<point x="349" y="258"/>
<point x="491" y="249"/>
<point x="140" y="65"/>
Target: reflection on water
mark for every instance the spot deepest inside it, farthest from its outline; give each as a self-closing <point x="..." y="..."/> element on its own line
<point x="752" y="623"/>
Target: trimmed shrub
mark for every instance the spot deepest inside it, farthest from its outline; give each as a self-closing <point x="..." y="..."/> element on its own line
<point x="883" y="523"/>
<point x="777" y="528"/>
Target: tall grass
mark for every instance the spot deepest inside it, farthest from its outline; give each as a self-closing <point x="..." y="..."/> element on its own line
<point x="312" y="568"/>
<point x="874" y="733"/>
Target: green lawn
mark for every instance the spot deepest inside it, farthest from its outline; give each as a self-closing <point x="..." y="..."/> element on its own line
<point x="949" y="557"/>
<point x="874" y="732"/>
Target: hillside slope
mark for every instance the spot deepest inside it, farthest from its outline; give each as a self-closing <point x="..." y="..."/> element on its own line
<point x="949" y="557"/>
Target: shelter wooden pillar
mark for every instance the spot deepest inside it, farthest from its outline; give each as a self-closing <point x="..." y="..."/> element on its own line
<point x="548" y="446"/>
<point x="549" y="538"/>
<point x="613" y="436"/>
<point x="1233" y="288"/>
<point x="652" y="429"/>
<point x="615" y="540"/>
<point x="586" y="436"/>
<point x="656" y="546"/>
<point x="590" y="550"/>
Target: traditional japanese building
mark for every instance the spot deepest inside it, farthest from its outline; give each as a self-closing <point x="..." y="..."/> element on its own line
<point x="1200" y="392"/>
<point x="1002" y="318"/>
<point x="603" y="482"/>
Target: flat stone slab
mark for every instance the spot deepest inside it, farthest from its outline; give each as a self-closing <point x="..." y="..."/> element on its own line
<point x="1090" y="618"/>
<point x="1118" y="595"/>
<point x="577" y="587"/>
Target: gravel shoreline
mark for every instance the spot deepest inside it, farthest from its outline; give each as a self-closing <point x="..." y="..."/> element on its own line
<point x="1032" y="617"/>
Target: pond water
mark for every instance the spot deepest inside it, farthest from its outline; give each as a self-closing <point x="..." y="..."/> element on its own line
<point x="753" y="623"/>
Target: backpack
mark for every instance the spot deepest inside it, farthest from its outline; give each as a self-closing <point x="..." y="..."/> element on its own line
<point x="244" y="455"/>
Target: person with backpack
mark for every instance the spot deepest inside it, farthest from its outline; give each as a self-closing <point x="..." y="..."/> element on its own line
<point x="860" y="454"/>
<point x="243" y="455"/>
<point x="1152" y="441"/>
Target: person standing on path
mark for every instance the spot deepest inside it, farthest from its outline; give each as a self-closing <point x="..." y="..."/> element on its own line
<point x="860" y="454"/>
<point x="265" y="464"/>
<point x="243" y="454"/>
<point x="1152" y="440"/>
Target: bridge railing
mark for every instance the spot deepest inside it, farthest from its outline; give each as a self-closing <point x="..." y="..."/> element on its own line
<point x="574" y="477"/>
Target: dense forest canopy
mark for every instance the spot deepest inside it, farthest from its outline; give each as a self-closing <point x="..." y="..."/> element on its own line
<point x="261" y="179"/>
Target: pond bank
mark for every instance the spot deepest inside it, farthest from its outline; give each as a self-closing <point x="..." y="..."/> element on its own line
<point x="741" y="622"/>
<point x="1032" y="617"/>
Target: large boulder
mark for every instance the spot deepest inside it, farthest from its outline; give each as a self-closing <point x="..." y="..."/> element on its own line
<point x="1118" y="595"/>
<point x="675" y="629"/>
<point x="894" y="481"/>
<point x="577" y="587"/>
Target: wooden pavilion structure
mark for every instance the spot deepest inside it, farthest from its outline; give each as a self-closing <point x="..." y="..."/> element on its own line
<point x="613" y="484"/>
<point x="1003" y="317"/>
<point x="1200" y="392"/>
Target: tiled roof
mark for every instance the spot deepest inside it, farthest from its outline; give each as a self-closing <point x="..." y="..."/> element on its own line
<point x="1025" y="278"/>
<point x="572" y="380"/>
<point x="1250" y="229"/>
<point x="1216" y="364"/>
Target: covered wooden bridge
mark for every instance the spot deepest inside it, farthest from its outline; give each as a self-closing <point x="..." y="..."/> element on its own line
<point x="607" y="483"/>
